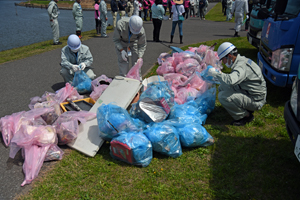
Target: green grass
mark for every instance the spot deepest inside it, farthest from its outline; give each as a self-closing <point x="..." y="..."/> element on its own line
<point x="251" y="162"/>
<point x="216" y="14"/>
<point x="41" y="47"/>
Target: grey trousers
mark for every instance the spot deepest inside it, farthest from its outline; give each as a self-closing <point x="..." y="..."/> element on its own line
<point x="78" y="22"/>
<point x="103" y="27"/>
<point x="123" y="65"/>
<point x="55" y="30"/>
<point x="114" y="15"/>
<point x="237" y="104"/>
<point x="68" y="74"/>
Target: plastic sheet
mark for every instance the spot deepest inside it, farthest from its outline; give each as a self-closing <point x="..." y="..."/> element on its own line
<point x="134" y="72"/>
<point x="114" y="120"/>
<point x="164" y="139"/>
<point x="133" y="148"/>
<point x="82" y="82"/>
<point x="206" y="101"/>
<point x="194" y="135"/>
<point x="67" y="125"/>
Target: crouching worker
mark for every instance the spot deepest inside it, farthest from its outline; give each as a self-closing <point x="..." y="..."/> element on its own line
<point x="243" y="90"/>
<point x="75" y="56"/>
<point x="130" y="40"/>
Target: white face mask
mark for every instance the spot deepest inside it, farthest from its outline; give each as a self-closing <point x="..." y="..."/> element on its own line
<point x="228" y="65"/>
<point x="75" y="51"/>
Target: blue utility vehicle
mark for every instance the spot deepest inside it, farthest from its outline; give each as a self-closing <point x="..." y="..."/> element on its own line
<point x="279" y="51"/>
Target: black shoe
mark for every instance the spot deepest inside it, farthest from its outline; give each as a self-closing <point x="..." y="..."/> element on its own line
<point x="58" y="43"/>
<point x="251" y="112"/>
<point x="243" y="121"/>
<point x="158" y="41"/>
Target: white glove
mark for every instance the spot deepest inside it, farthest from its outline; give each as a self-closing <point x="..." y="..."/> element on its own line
<point x="99" y="18"/>
<point x="212" y="72"/>
<point x="82" y="66"/>
<point x="75" y="68"/>
<point x="124" y="55"/>
<point x="247" y="16"/>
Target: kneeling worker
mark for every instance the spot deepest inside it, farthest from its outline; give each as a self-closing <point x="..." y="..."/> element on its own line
<point x="130" y="40"/>
<point x="75" y="56"/>
<point x="243" y="90"/>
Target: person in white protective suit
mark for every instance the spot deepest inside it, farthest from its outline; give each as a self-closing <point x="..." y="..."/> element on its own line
<point x="75" y="56"/>
<point x="78" y="16"/>
<point x="239" y="8"/>
<point x="130" y="41"/>
<point x="53" y="14"/>
<point x="228" y="10"/>
<point x="103" y="18"/>
<point x="136" y="7"/>
<point x="242" y="91"/>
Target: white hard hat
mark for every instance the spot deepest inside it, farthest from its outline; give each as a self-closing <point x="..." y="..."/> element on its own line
<point x="135" y="24"/>
<point x="74" y="42"/>
<point x="224" y="49"/>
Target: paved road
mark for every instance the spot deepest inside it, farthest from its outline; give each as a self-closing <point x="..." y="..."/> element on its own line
<point x="32" y="76"/>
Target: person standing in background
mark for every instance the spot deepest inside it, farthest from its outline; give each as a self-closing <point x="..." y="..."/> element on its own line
<point x="205" y="7"/>
<point x="224" y="5"/>
<point x="177" y="9"/>
<point x="150" y="10"/>
<point x="103" y="17"/>
<point x="146" y="5"/>
<point x="136" y="7"/>
<point x="130" y="8"/>
<point x="114" y="11"/>
<point x="97" y="17"/>
<point x="186" y="8"/>
<point x="201" y="9"/>
<point x="78" y="16"/>
<point x="240" y="8"/>
<point x="192" y="8"/>
<point x="250" y="6"/>
<point x="228" y="10"/>
<point x="53" y="14"/>
<point x="122" y="5"/>
<point x="170" y="5"/>
<point x="158" y="12"/>
<point x="165" y="5"/>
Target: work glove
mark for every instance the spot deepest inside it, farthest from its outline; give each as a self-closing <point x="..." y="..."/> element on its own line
<point x="82" y="66"/>
<point x="212" y="72"/>
<point x="124" y="55"/>
<point x="75" y="68"/>
<point x="247" y="16"/>
<point x="99" y="18"/>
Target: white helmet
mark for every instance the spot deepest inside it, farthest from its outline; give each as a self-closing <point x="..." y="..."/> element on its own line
<point x="74" y="42"/>
<point x="224" y="49"/>
<point x="135" y="24"/>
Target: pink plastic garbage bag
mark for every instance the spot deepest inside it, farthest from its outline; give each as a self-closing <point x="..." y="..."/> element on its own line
<point x="101" y="80"/>
<point x="54" y="153"/>
<point x="165" y="68"/>
<point x="197" y="82"/>
<point x="162" y="58"/>
<point x="186" y="93"/>
<point x="188" y="67"/>
<point x="97" y="92"/>
<point x="9" y="125"/>
<point x="175" y="79"/>
<point x="67" y="92"/>
<point x="134" y="72"/>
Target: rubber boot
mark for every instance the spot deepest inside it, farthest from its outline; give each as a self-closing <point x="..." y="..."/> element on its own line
<point x="171" y="38"/>
<point x="181" y="39"/>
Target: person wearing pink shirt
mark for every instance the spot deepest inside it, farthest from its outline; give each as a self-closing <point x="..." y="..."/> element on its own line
<point x="97" y="17"/>
<point x="146" y="5"/>
<point x="150" y="11"/>
<point x="186" y="8"/>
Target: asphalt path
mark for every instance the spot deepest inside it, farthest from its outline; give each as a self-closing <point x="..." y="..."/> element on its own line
<point x="32" y="76"/>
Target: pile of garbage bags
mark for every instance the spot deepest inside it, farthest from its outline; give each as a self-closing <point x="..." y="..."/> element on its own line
<point x="169" y="115"/>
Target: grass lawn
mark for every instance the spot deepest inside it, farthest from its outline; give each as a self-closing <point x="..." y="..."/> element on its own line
<point x="251" y="162"/>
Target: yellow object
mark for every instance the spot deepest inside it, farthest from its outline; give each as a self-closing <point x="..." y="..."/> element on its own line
<point x="89" y="100"/>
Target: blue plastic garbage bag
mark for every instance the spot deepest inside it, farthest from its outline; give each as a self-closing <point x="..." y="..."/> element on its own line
<point x="194" y="135"/>
<point x="112" y="120"/>
<point x="133" y="148"/>
<point x="82" y="82"/>
<point x="164" y="139"/>
<point x="186" y="113"/>
<point x="203" y="74"/>
<point x="206" y="101"/>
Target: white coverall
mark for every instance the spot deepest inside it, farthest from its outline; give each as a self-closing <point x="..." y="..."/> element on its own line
<point x="53" y="14"/>
<point x="243" y="89"/>
<point x="129" y="8"/>
<point x="78" y="16"/>
<point x="136" y="7"/>
<point x="137" y="44"/>
<point x="103" y="16"/>
<point x="240" y="8"/>
<point x="69" y="58"/>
